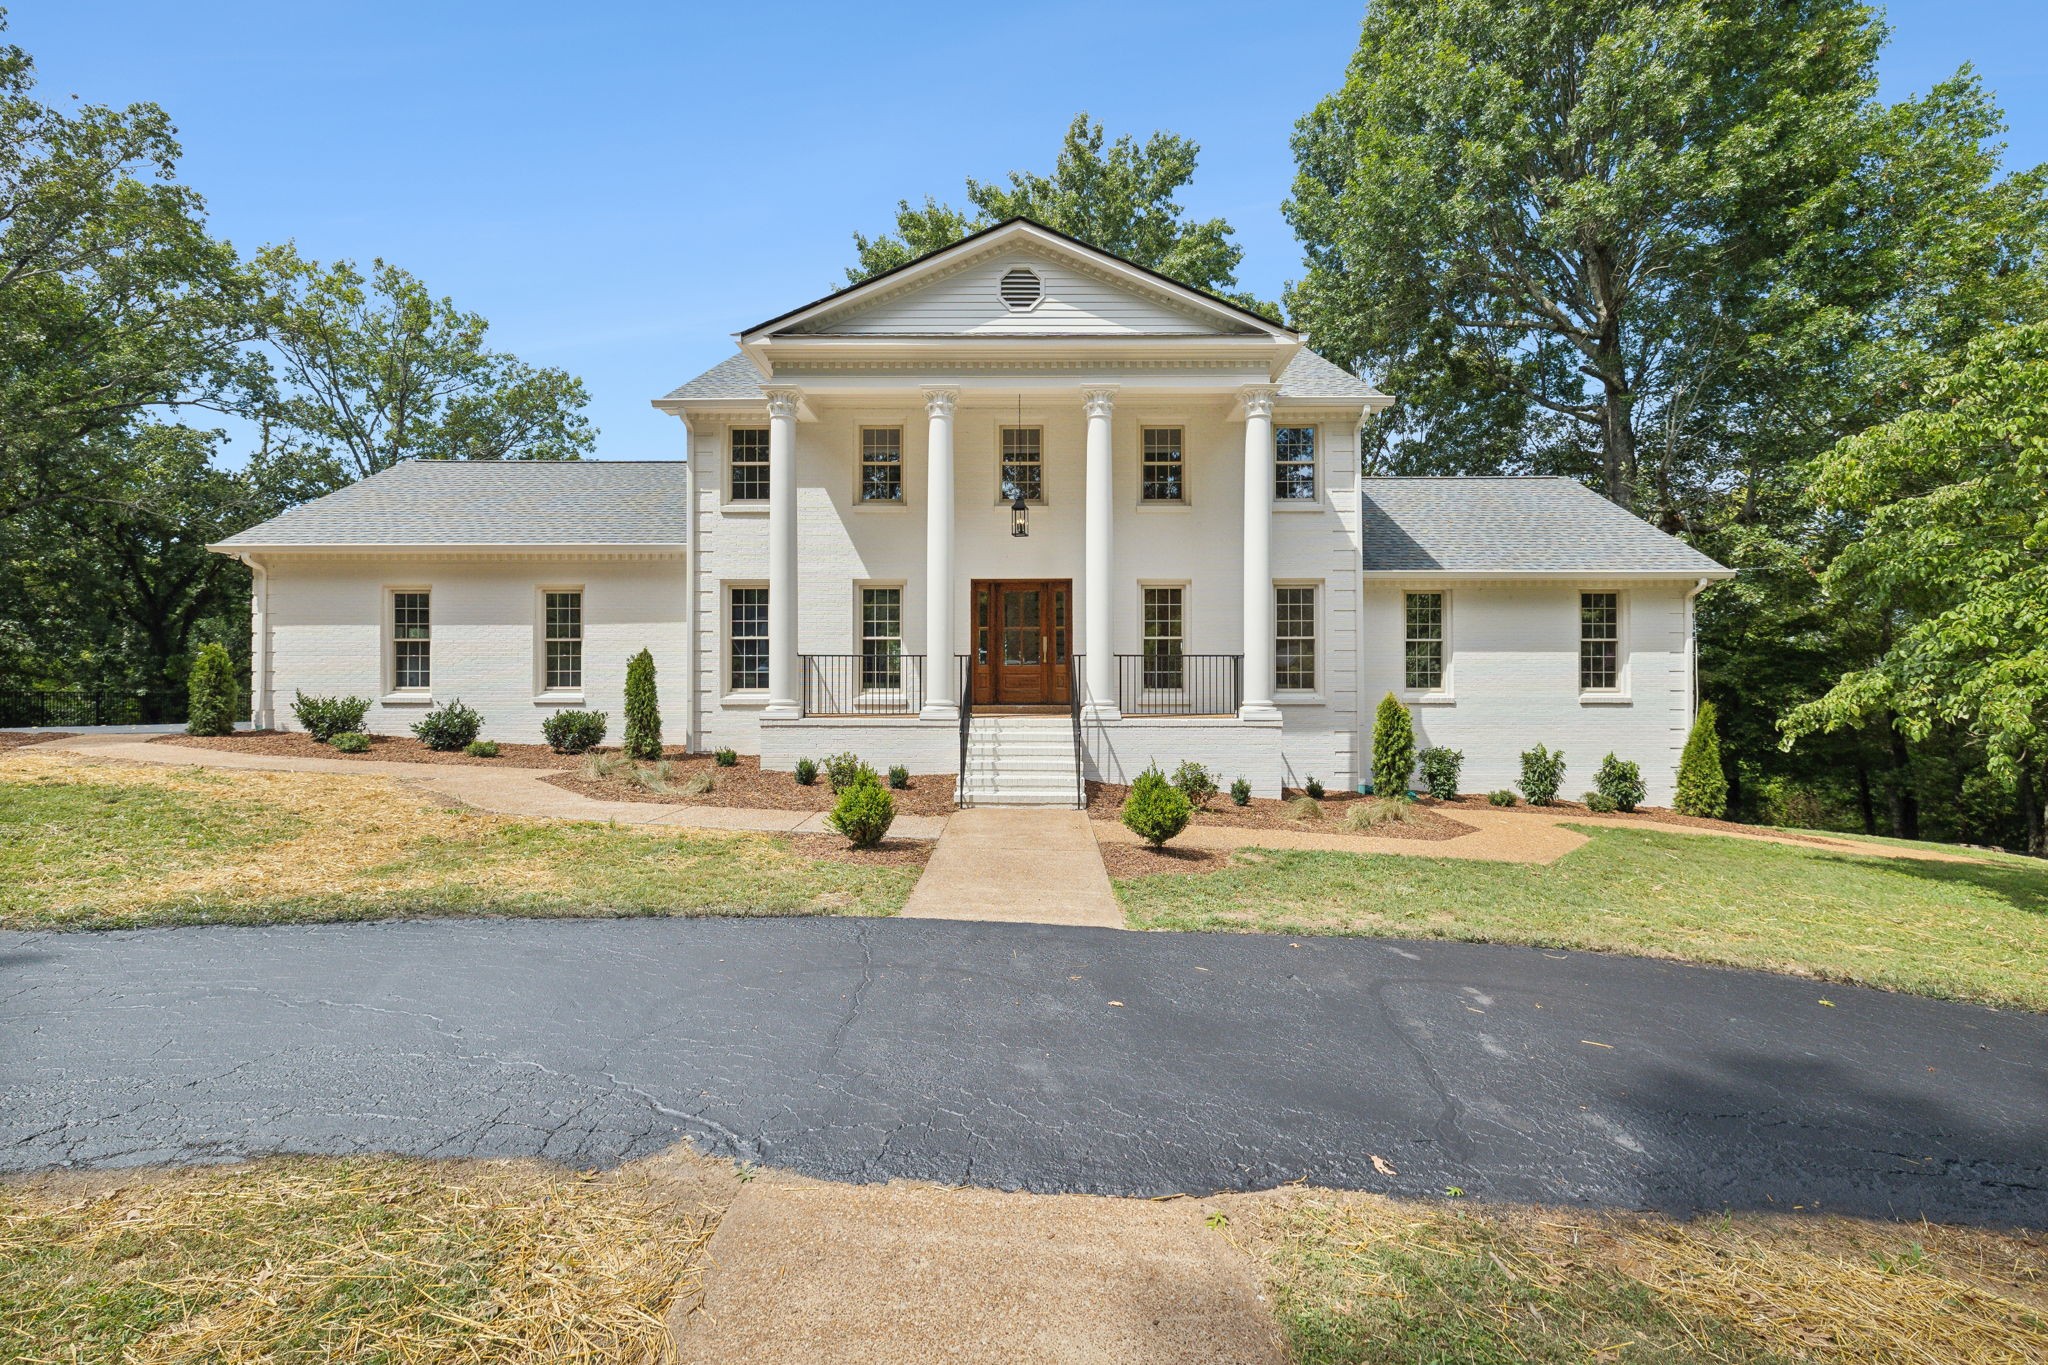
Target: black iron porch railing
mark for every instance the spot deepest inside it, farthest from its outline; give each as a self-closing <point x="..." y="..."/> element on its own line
<point x="1169" y="683"/>
<point x="881" y="683"/>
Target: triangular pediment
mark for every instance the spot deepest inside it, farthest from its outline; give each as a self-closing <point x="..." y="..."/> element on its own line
<point x="1018" y="279"/>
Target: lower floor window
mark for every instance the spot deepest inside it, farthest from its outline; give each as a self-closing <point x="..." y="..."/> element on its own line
<point x="411" y="642"/>
<point x="563" y="628"/>
<point x="1599" y="641"/>
<point x="1294" y="639"/>
<point x="881" y="638"/>
<point x="748" y="631"/>
<point x="1425" y="644"/>
<point x="1164" y="666"/>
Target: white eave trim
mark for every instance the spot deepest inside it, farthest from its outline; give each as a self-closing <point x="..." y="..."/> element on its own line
<point x="1556" y="575"/>
<point x="475" y="548"/>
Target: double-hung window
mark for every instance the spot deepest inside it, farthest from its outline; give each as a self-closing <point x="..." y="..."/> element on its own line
<point x="562" y="641"/>
<point x="881" y="638"/>
<point x="1163" y="477"/>
<point x="1599" y="641"/>
<point x="1294" y="639"/>
<point x="747" y="633"/>
<point x="748" y="456"/>
<point x="1023" y="464"/>
<point x="411" y="642"/>
<point x="1425" y="641"/>
<point x="1165" y="667"/>
<point x="1294" y="464"/>
<point x="881" y="464"/>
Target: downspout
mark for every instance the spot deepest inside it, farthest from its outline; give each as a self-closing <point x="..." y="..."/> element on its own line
<point x="693" y="725"/>
<point x="1692" y="654"/>
<point x="259" y="643"/>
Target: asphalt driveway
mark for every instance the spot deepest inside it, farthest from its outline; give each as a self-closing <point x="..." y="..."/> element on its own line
<point x="1051" y="1059"/>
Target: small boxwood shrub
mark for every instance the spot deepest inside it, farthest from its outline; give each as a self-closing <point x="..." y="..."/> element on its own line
<point x="899" y="776"/>
<point x="1503" y="797"/>
<point x="210" y="693"/>
<point x="1440" y="769"/>
<point x="326" y="717"/>
<point x="843" y="770"/>
<point x="448" y="727"/>
<point x="1702" y="783"/>
<point x="1620" y="782"/>
<point x="1600" y="803"/>
<point x="1393" y="748"/>
<point x="1241" y="792"/>
<point x="726" y="758"/>
<point x="1314" y="787"/>
<point x="643" y="709"/>
<point x="1542" y="775"/>
<point x="1155" y="810"/>
<point x="574" y="732"/>
<point x="806" y="772"/>
<point x="863" y="813"/>
<point x="1195" y="782"/>
<point x="350" y="742"/>
<point x="481" y="748"/>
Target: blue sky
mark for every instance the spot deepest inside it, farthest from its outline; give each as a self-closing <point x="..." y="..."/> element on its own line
<point x="618" y="189"/>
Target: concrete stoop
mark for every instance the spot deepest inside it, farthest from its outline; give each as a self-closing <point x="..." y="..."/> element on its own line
<point x="1020" y="761"/>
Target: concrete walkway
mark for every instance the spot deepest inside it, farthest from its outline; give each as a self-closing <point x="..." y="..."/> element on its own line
<point x="1018" y="865"/>
<point x="520" y="792"/>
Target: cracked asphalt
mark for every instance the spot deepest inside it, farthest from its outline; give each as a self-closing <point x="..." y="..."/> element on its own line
<point x="1024" y="1056"/>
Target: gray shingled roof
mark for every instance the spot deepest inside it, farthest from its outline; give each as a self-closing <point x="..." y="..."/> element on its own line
<point x="1308" y="375"/>
<point x="489" y="502"/>
<point x="1510" y="526"/>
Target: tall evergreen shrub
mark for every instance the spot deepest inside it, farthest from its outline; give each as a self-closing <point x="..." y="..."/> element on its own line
<point x="643" y="709"/>
<point x="1702" y="785"/>
<point x="212" y="693"/>
<point x="1393" y="748"/>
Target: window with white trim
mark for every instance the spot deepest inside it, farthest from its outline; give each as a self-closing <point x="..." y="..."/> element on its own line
<point x="1161" y="479"/>
<point x="1294" y="464"/>
<point x="881" y="638"/>
<point x="1294" y="638"/>
<point x="1425" y="641"/>
<point x="747" y="453"/>
<point x="562" y="641"/>
<point x="881" y="464"/>
<point x="747" y="637"/>
<point x="1164" y="621"/>
<point x="1023" y="464"/>
<point x="411" y="642"/>
<point x="1599" y="641"/>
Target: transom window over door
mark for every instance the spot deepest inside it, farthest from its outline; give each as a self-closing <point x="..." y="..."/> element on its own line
<point x="1023" y="464"/>
<point x="1425" y="644"/>
<point x="748" y="455"/>
<point x="881" y="464"/>
<point x="1294" y="639"/>
<point x="1599" y="641"/>
<point x="1165" y="667"/>
<point x="1294" y="464"/>
<point x="747" y="631"/>
<point x="1163" y="478"/>
<point x="411" y="642"/>
<point x="881" y="638"/>
<point x="562" y="630"/>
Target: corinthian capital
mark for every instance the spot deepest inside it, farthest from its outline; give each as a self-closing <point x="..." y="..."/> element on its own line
<point x="1258" y="399"/>
<point x="940" y="402"/>
<point x="1099" y="402"/>
<point x="784" y="402"/>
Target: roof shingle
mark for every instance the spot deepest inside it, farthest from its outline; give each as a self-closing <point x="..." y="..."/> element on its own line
<point x="1512" y="525"/>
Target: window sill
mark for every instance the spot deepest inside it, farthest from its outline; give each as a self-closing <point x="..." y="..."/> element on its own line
<point x="878" y="505"/>
<point x="1300" y="699"/>
<point x="1426" y="699"/>
<point x="558" y="699"/>
<point x="1606" y="699"/>
<point x="744" y="698"/>
<point x="1164" y="504"/>
<point x="1300" y="505"/>
<point x="743" y="509"/>
<point x="406" y="699"/>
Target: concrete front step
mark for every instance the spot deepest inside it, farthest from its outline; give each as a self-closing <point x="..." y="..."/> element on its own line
<point x="1019" y="761"/>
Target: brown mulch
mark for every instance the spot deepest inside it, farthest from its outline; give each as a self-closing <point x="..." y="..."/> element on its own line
<point x="1641" y="814"/>
<point x="1106" y="802"/>
<point x="889" y="853"/>
<point x="1142" y="860"/>
<point x="745" y="784"/>
<point x="383" y="749"/>
<point x="15" y="739"/>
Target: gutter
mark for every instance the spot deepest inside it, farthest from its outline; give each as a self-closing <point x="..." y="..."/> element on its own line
<point x="1692" y="647"/>
<point x="260" y="699"/>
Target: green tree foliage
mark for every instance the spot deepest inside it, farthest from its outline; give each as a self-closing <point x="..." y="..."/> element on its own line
<point x="1952" y="499"/>
<point x="373" y="369"/>
<point x="1393" y="748"/>
<point x="1155" y="810"/>
<point x="1702" y="784"/>
<point x="1116" y="196"/>
<point x="643" y="709"/>
<point x="215" y="698"/>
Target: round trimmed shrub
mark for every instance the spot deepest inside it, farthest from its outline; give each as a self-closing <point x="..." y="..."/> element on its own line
<point x="863" y="813"/>
<point x="574" y="732"/>
<point x="1503" y="797"/>
<point x="726" y="758"/>
<point x="326" y="717"/>
<point x="481" y="748"/>
<point x="899" y="777"/>
<point x="350" y="742"/>
<point x="448" y="727"/>
<point x="1155" y="811"/>
<point x="806" y="772"/>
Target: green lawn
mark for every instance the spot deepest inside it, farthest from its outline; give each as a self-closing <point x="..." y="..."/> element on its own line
<point x="1972" y="931"/>
<point x="100" y="846"/>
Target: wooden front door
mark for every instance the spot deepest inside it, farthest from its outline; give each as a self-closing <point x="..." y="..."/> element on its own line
<point x="1023" y="631"/>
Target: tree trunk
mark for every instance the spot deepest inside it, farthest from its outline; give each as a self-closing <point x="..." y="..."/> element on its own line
<point x="1905" y="805"/>
<point x="1865" y="807"/>
<point x="2033" y="819"/>
<point x="1618" y="442"/>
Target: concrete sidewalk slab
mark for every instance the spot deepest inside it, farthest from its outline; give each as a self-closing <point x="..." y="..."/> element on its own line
<point x="1017" y="865"/>
<point x="803" y="1271"/>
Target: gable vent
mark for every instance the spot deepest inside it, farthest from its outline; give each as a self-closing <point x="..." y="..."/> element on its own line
<point x="1021" y="290"/>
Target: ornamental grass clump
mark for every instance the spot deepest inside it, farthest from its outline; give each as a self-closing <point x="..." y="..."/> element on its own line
<point x="1542" y="775"/>
<point x="643" y="709"/>
<point x="864" y="812"/>
<point x="1155" y="810"/>
<point x="1376" y="811"/>
<point x="1702" y="784"/>
<point x="1304" y="808"/>
<point x="574" y="732"/>
<point x="449" y="727"/>
<point x="211" y="693"/>
<point x="1393" y="748"/>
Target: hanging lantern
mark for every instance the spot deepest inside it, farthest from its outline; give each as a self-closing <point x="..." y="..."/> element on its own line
<point x="1020" y="517"/>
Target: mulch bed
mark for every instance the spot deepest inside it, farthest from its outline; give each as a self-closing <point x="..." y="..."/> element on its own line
<point x="745" y="784"/>
<point x="1656" y="814"/>
<point x="15" y="739"/>
<point x="1106" y="802"/>
<point x="383" y="749"/>
<point x="1141" y="860"/>
<point x="889" y="853"/>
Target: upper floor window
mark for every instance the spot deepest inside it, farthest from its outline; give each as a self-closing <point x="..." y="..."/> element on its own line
<point x="1599" y="641"/>
<point x="1163" y="478"/>
<point x="1425" y="643"/>
<point x="747" y="633"/>
<point x="881" y="464"/>
<point x="1294" y="464"/>
<point x="1023" y="464"/>
<point x="411" y="642"/>
<point x="1294" y="639"/>
<point x="562" y="641"/>
<point x="749" y="460"/>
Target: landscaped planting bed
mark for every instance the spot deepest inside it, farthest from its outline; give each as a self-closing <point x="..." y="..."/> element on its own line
<point x="15" y="739"/>
<point x="383" y="749"/>
<point x="1106" y="801"/>
<point x="743" y="784"/>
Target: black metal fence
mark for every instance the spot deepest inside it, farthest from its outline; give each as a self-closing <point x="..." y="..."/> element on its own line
<point x="875" y="684"/>
<point x="25" y="706"/>
<point x="1169" y="683"/>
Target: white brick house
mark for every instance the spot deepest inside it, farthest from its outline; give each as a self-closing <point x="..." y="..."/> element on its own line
<point x="1014" y="509"/>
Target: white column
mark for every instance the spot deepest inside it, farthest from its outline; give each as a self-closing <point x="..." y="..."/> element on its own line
<point x="783" y="699"/>
<point x="1098" y="560"/>
<point x="941" y="701"/>
<point x="1258" y="555"/>
<point x="259" y="644"/>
